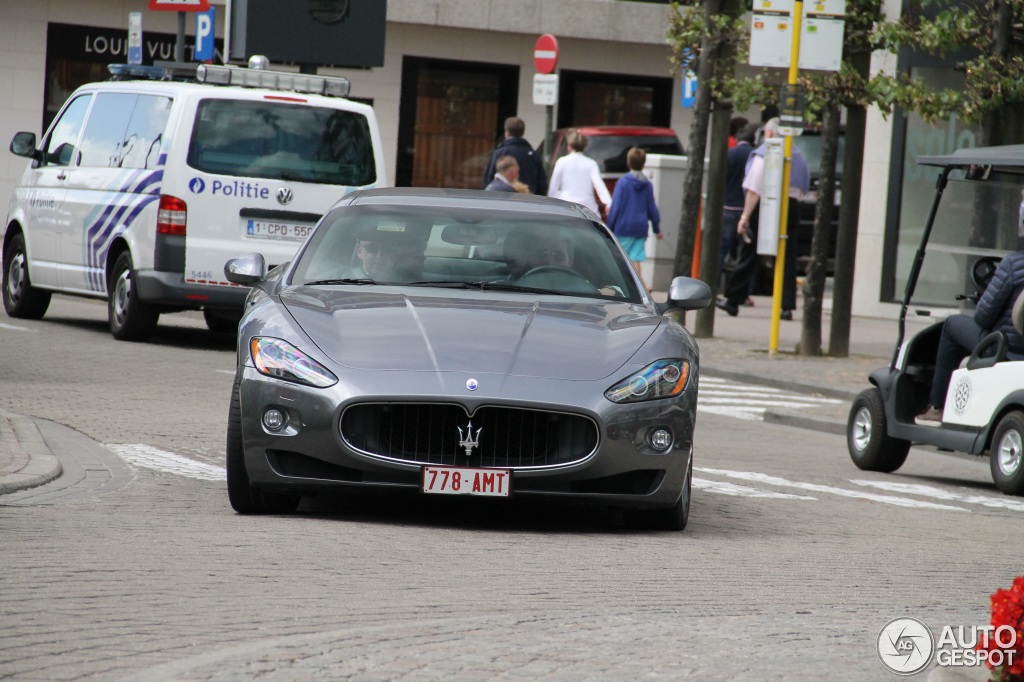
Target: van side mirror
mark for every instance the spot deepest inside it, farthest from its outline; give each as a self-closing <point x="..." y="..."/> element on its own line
<point x="247" y="269"/>
<point x="24" y="144"/>
<point x="688" y="293"/>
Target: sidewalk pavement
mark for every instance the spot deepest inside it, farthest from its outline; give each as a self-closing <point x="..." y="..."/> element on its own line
<point x="738" y="350"/>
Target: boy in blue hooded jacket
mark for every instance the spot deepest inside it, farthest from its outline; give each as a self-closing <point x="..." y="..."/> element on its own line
<point x="633" y="211"/>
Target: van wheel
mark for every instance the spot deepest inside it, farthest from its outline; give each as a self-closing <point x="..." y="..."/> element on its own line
<point x="871" y="448"/>
<point x="130" y="319"/>
<point x="221" y="323"/>
<point x="244" y="498"/>
<point x="21" y="299"/>
<point x="1007" y="456"/>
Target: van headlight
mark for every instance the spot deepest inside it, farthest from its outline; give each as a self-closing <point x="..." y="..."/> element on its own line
<point x="281" y="360"/>
<point x="660" y="379"/>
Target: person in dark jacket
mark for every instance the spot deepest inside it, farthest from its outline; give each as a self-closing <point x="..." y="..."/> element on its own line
<point x="531" y="169"/>
<point x="634" y="212"/>
<point x="962" y="332"/>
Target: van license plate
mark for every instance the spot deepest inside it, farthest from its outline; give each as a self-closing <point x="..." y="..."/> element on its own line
<point x="275" y="229"/>
<point x="467" y="481"/>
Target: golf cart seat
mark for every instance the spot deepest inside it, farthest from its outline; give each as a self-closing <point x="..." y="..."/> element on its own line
<point x="994" y="347"/>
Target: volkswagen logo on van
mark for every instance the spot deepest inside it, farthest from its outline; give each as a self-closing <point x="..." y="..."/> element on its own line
<point x="196" y="185"/>
<point x="284" y="196"/>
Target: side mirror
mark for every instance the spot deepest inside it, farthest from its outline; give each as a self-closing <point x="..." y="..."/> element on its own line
<point x="247" y="269"/>
<point x="24" y="144"/>
<point x="689" y="294"/>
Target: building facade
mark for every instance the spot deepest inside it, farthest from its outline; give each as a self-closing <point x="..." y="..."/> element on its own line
<point x="453" y="71"/>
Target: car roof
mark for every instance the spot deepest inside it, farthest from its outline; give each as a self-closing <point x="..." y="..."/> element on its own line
<point x="468" y="198"/>
<point x="1005" y="158"/>
<point x="622" y="130"/>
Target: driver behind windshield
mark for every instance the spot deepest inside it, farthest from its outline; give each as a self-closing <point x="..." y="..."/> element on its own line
<point x="962" y="332"/>
<point x="391" y="253"/>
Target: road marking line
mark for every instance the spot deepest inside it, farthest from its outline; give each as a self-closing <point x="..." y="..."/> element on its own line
<point x="226" y="371"/>
<point x="736" y="490"/>
<point x="755" y="414"/>
<point x="949" y="495"/>
<point x="14" y="328"/>
<point x="161" y="460"/>
<point x="756" y="477"/>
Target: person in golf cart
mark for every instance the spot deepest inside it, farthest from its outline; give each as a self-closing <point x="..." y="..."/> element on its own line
<point x="962" y="332"/>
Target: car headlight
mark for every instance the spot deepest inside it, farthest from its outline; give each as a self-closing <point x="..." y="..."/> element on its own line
<point x="281" y="360"/>
<point x="660" y="379"/>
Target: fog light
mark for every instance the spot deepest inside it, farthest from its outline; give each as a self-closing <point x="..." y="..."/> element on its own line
<point x="274" y="419"/>
<point x="660" y="439"/>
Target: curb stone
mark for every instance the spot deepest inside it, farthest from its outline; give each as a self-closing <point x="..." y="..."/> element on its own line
<point x="42" y="466"/>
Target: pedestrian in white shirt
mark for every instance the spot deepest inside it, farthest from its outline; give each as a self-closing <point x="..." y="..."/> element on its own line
<point x="576" y="177"/>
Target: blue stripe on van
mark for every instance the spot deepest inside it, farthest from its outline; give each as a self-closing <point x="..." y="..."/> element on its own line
<point x="140" y="189"/>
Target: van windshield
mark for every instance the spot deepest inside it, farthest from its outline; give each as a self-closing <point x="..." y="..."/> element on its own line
<point x="282" y="140"/>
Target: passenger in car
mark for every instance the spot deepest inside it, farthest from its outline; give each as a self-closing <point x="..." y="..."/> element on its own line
<point x="961" y="332"/>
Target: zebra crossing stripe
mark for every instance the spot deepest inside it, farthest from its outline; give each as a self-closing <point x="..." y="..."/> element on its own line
<point x="947" y="495"/>
<point x="756" y="477"/>
<point x="736" y="490"/>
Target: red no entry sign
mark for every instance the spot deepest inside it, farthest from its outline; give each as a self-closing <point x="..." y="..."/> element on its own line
<point x="180" y="5"/>
<point x="545" y="54"/>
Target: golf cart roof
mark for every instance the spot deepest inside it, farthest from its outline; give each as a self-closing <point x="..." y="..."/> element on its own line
<point x="1006" y="159"/>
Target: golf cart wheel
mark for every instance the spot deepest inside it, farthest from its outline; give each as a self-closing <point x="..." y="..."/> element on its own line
<point x="1007" y="455"/>
<point x="871" y="447"/>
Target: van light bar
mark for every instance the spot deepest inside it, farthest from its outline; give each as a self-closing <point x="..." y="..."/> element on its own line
<point x="334" y="86"/>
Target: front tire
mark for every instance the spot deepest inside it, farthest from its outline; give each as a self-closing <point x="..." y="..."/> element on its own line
<point x="871" y="448"/>
<point x="21" y="299"/>
<point x="1007" y="456"/>
<point x="244" y="498"/>
<point x="670" y="518"/>
<point x="130" y="319"/>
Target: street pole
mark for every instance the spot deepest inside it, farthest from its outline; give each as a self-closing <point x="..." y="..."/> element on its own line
<point x="787" y="153"/>
<point x="547" y="140"/>
<point x="179" y="47"/>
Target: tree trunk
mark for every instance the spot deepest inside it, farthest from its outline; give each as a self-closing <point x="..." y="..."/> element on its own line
<point x="711" y="237"/>
<point x="817" y="268"/>
<point x="695" y="151"/>
<point x="849" y="217"/>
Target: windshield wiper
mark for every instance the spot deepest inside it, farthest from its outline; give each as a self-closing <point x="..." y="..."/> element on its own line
<point x="483" y="285"/>
<point x="341" y="280"/>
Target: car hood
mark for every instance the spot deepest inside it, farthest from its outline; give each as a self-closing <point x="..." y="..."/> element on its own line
<point x="572" y="339"/>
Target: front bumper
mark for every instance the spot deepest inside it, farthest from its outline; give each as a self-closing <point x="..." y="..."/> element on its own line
<point x="309" y="454"/>
<point x="170" y="289"/>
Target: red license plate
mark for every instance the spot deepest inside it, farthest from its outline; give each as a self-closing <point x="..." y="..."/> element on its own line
<point x="467" y="481"/>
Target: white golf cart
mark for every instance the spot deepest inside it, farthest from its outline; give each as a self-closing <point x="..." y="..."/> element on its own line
<point x="980" y="220"/>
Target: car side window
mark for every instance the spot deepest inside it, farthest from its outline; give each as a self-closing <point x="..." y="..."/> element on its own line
<point x="59" y="149"/>
<point x="145" y="133"/>
<point x="105" y="130"/>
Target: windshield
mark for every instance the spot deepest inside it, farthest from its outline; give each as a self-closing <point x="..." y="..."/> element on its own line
<point x="610" y="150"/>
<point x="460" y="247"/>
<point x="810" y="145"/>
<point x="975" y="219"/>
<point x="282" y="140"/>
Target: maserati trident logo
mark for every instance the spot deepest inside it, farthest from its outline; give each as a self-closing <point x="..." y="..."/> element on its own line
<point x="284" y="196"/>
<point x="469" y="440"/>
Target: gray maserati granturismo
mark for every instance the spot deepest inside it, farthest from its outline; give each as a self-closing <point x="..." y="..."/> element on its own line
<point x="453" y="342"/>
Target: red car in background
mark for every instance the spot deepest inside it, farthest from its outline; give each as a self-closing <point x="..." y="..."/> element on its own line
<point x="608" y="146"/>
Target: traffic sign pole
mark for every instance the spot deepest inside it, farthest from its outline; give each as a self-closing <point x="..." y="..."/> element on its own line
<point x="787" y="154"/>
<point x="545" y="58"/>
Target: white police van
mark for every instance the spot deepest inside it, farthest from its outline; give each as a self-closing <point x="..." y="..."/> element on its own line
<point x="144" y="186"/>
